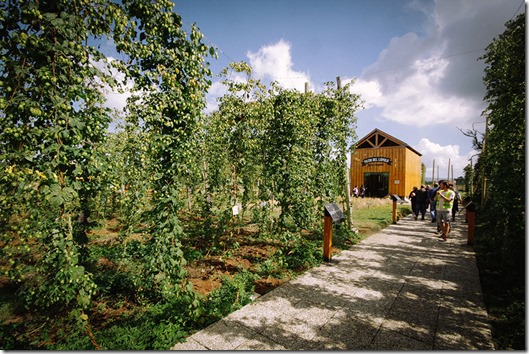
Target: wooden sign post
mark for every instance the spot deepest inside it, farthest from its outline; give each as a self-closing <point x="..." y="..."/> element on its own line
<point x="470" y="210"/>
<point x="332" y="214"/>
<point x="327" y="238"/>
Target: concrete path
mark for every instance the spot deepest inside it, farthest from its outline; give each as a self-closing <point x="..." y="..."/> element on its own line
<point x="400" y="289"/>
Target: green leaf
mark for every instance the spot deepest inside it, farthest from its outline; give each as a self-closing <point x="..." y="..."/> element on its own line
<point x="56" y="200"/>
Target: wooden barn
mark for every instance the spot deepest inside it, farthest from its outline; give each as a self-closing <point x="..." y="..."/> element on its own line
<point x="385" y="165"/>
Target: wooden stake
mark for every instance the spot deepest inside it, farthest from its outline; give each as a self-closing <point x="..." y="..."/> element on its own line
<point x="327" y="238"/>
<point x="349" y="209"/>
<point x="394" y="212"/>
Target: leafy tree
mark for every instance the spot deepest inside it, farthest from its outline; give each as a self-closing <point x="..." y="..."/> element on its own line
<point x="170" y="77"/>
<point x="53" y="123"/>
<point x="52" y="117"/>
<point x="333" y="142"/>
<point x="504" y="151"/>
<point x="288" y="155"/>
<point x="501" y="173"/>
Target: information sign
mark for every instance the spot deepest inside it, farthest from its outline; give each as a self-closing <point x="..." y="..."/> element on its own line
<point x="334" y="211"/>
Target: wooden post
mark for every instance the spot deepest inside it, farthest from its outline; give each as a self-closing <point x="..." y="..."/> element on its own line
<point x="394" y="213"/>
<point x="348" y="211"/>
<point x="433" y="173"/>
<point x="483" y="147"/>
<point x="327" y="238"/>
<point x="471" y="218"/>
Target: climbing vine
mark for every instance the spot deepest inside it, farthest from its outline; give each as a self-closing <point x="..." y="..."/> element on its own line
<point x="54" y="121"/>
<point x="52" y="117"/>
<point x="171" y="176"/>
<point x="271" y="147"/>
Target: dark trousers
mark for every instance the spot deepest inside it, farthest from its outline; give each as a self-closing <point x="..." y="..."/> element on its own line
<point x="420" y="208"/>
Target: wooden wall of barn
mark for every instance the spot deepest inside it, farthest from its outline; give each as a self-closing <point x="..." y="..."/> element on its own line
<point x="405" y="167"/>
<point x="413" y="172"/>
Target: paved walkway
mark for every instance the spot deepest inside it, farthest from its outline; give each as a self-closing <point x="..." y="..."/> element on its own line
<point x="400" y="289"/>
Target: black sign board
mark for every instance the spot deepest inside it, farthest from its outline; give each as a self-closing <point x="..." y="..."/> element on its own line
<point x="376" y="159"/>
<point x="468" y="204"/>
<point x="396" y="198"/>
<point x="333" y="210"/>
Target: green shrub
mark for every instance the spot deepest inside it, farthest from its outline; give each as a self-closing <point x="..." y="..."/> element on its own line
<point x="272" y="267"/>
<point x="344" y="238"/>
<point x="234" y="293"/>
<point x="302" y="253"/>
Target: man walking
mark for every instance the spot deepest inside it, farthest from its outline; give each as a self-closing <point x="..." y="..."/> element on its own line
<point x="445" y="200"/>
<point x="421" y="198"/>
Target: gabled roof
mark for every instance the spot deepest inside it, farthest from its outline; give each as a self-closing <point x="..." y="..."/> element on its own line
<point x="377" y="139"/>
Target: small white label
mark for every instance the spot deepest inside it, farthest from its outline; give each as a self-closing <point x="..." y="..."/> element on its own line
<point x="235" y="210"/>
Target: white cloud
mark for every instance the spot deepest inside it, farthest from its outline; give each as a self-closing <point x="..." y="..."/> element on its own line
<point x="442" y="155"/>
<point x="435" y="78"/>
<point x="274" y="62"/>
<point x="416" y="99"/>
<point x="371" y="92"/>
<point x="271" y="62"/>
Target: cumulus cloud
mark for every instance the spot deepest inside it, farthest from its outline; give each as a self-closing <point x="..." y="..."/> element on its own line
<point x="274" y="62"/>
<point x="436" y="77"/>
<point x="270" y="63"/>
<point x="443" y="155"/>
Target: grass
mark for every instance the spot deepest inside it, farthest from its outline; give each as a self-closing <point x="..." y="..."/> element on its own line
<point x="371" y="215"/>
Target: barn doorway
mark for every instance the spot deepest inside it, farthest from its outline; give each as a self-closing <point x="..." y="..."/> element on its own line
<point x="377" y="184"/>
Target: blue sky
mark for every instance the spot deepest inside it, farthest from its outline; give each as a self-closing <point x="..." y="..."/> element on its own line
<point x="414" y="62"/>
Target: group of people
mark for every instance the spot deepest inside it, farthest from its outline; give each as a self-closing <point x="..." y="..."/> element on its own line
<point x="359" y="192"/>
<point x="442" y="200"/>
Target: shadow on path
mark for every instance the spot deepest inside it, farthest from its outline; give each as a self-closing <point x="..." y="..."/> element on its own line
<point x="399" y="289"/>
